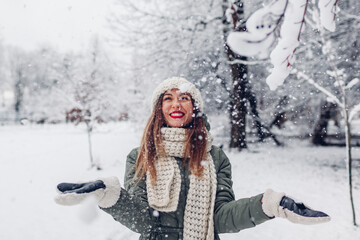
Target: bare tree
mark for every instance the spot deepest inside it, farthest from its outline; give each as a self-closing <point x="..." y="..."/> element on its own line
<point x="85" y="81"/>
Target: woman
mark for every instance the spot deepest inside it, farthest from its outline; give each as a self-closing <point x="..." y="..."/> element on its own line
<point x="177" y="184"/>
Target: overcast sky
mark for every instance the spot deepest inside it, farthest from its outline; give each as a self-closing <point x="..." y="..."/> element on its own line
<point x="65" y="24"/>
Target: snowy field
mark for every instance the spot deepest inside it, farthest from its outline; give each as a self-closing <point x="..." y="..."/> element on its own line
<point x="34" y="159"/>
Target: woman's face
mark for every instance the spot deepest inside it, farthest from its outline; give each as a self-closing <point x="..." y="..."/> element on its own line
<point x="177" y="108"/>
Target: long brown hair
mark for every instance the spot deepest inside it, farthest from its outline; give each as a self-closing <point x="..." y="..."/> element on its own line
<point x="151" y="143"/>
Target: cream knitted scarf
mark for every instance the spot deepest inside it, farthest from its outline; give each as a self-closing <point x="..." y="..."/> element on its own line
<point x="164" y="195"/>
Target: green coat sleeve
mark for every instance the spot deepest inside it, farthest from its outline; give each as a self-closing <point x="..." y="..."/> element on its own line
<point x="232" y="215"/>
<point x="132" y="209"/>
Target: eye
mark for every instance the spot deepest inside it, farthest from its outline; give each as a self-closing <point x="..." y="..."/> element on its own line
<point x="185" y="98"/>
<point x="166" y="98"/>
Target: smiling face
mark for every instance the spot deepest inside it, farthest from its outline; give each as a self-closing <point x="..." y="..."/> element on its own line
<point x="177" y="108"/>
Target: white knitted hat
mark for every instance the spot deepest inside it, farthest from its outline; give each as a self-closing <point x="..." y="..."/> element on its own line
<point x="183" y="85"/>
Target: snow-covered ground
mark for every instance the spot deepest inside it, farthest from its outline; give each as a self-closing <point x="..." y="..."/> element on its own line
<point x="33" y="159"/>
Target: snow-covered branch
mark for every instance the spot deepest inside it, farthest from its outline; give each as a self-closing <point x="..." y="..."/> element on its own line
<point x="262" y="26"/>
<point x="355" y="110"/>
<point x="321" y="89"/>
<point x="260" y="35"/>
<point x="352" y="83"/>
<point x="348" y="15"/>
<point x="328" y="11"/>
<point x="246" y="62"/>
<point x="283" y="56"/>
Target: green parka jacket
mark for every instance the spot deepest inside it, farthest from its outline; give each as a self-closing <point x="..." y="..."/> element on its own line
<point x="230" y="215"/>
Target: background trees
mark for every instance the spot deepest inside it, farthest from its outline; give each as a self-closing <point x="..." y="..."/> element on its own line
<point x="150" y="41"/>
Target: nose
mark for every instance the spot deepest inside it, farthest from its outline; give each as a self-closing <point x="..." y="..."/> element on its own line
<point x="176" y="104"/>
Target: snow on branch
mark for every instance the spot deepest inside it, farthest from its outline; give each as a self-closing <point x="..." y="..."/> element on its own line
<point x="260" y="34"/>
<point x="283" y="56"/>
<point x="288" y="17"/>
<point x="331" y="96"/>
<point x="348" y="15"/>
<point x="245" y="62"/>
<point x="354" y="111"/>
<point x="328" y="10"/>
<point x="352" y="83"/>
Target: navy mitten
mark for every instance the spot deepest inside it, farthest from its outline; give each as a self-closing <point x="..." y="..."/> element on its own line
<point x="106" y="191"/>
<point x="278" y="205"/>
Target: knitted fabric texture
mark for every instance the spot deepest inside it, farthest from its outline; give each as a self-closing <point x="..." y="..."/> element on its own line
<point x="164" y="195"/>
<point x="183" y="85"/>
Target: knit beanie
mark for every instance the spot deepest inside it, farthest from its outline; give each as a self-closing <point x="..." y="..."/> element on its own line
<point x="183" y="85"/>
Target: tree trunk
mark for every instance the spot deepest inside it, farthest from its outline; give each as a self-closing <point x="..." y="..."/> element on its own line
<point x="242" y="92"/>
<point x="19" y="95"/>
<point x="238" y="109"/>
<point x="349" y="161"/>
<point x="89" y="130"/>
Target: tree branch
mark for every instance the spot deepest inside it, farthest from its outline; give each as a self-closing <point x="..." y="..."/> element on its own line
<point x="245" y="62"/>
<point x="320" y="88"/>
<point x="354" y="111"/>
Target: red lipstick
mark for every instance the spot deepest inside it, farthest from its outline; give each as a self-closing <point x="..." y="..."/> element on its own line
<point x="177" y="114"/>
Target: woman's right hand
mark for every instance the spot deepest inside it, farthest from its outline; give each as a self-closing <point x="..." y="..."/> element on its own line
<point x="105" y="190"/>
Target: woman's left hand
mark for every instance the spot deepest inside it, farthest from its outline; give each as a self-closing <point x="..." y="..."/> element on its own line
<point x="278" y="205"/>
